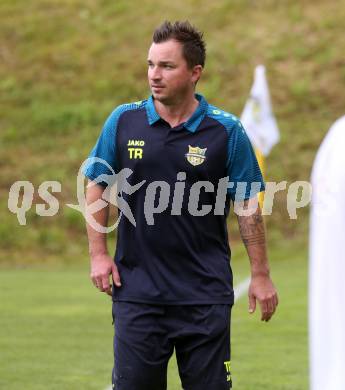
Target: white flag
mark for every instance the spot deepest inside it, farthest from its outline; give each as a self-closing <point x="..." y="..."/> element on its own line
<point x="257" y="117"/>
<point x="327" y="264"/>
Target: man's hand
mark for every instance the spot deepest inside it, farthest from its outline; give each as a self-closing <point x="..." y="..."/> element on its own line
<point x="262" y="289"/>
<point x="102" y="266"/>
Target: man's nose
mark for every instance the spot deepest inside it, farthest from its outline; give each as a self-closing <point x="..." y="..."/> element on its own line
<point x="155" y="73"/>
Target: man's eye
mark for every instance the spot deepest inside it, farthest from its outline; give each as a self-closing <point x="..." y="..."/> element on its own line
<point x="168" y="67"/>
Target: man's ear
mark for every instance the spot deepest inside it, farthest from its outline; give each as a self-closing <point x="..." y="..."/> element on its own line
<point x="196" y="73"/>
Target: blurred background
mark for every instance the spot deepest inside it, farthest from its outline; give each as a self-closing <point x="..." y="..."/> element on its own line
<point x="64" y="66"/>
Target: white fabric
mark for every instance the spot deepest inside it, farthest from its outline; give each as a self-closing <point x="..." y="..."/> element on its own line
<point x="257" y="117"/>
<point x="327" y="264"/>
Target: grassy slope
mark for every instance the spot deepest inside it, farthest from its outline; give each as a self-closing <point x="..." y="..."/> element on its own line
<point x="65" y="64"/>
<point x="56" y="331"/>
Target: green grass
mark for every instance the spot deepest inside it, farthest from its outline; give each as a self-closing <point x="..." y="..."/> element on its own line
<point x="56" y="330"/>
<point x="274" y="355"/>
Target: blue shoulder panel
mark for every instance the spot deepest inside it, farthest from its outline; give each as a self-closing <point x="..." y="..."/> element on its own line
<point x="242" y="166"/>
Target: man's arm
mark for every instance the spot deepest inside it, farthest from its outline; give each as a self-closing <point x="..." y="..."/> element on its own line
<point x="102" y="265"/>
<point x="261" y="287"/>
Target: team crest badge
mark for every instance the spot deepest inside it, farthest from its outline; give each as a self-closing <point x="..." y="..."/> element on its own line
<point x="195" y="155"/>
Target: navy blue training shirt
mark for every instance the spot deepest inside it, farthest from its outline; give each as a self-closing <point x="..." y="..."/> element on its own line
<point x="180" y="255"/>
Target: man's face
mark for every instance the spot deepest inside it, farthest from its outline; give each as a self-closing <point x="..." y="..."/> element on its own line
<point x="169" y="77"/>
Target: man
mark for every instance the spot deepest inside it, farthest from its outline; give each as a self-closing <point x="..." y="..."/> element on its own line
<point x="172" y="278"/>
<point x="327" y="263"/>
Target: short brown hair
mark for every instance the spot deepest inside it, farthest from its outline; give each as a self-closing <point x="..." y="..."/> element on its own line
<point x="194" y="48"/>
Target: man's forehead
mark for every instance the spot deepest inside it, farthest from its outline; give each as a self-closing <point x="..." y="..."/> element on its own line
<point x="165" y="50"/>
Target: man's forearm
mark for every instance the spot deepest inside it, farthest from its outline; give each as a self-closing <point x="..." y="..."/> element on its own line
<point x="261" y="287"/>
<point x="97" y="240"/>
<point x="252" y="231"/>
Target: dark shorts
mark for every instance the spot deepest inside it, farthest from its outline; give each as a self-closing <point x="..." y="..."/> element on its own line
<point x="145" y="338"/>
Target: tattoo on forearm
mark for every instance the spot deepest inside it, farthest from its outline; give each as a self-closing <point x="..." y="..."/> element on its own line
<point x="252" y="229"/>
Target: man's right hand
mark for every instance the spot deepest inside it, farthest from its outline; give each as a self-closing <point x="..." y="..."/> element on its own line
<point x="102" y="266"/>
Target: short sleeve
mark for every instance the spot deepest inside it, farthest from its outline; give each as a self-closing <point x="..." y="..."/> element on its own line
<point x="242" y="166"/>
<point x="105" y="150"/>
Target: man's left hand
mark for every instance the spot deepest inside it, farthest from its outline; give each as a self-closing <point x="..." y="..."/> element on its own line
<point x="262" y="289"/>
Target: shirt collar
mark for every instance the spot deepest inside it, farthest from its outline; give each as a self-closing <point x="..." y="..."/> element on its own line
<point x="193" y="122"/>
